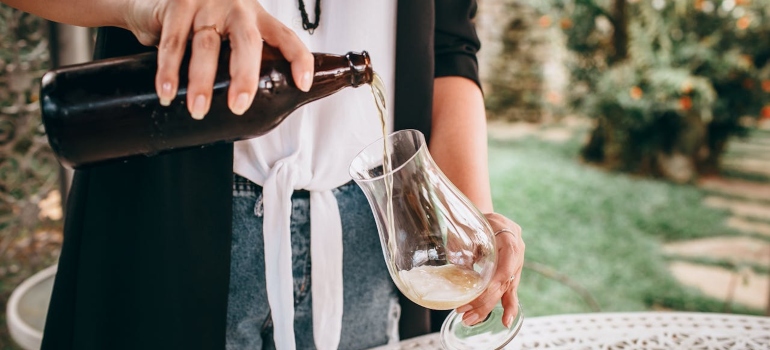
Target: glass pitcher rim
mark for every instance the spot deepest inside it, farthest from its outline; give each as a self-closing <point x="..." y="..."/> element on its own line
<point x="423" y="144"/>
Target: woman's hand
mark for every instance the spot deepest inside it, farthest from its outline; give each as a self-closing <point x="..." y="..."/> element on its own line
<point x="170" y="23"/>
<point x="505" y="281"/>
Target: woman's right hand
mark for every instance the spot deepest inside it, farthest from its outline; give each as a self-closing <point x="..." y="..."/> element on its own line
<point x="170" y="23"/>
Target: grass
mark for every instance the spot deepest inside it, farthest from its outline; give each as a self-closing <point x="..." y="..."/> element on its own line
<point x="722" y="263"/>
<point x="603" y="230"/>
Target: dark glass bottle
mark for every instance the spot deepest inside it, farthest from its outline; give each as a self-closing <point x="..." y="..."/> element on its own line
<point x="108" y="109"/>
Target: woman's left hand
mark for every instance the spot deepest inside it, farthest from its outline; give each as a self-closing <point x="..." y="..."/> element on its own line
<point x="505" y="281"/>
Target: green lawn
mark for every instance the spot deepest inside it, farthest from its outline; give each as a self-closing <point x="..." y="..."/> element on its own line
<point x="601" y="230"/>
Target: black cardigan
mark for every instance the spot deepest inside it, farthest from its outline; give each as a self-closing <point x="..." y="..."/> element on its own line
<point x="145" y="261"/>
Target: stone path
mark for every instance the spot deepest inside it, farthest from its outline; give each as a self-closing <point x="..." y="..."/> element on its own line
<point x="701" y="263"/>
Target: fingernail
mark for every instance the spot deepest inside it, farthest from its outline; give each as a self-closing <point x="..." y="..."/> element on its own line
<point x="199" y="107"/>
<point x="470" y="318"/>
<point x="463" y="308"/>
<point x="508" y="321"/>
<point x="241" y="103"/>
<point x="307" y="81"/>
<point x="165" y="94"/>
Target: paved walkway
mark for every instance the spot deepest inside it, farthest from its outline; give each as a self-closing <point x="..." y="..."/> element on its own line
<point x="734" y="268"/>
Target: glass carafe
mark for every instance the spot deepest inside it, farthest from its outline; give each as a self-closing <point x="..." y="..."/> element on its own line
<point x="438" y="247"/>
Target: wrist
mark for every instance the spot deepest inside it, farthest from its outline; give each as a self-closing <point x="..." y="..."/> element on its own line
<point x="141" y="17"/>
<point x="97" y="13"/>
<point x="499" y="221"/>
<point x="118" y="12"/>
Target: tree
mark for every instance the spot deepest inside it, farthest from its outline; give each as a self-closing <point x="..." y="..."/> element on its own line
<point x="668" y="81"/>
<point x="515" y="89"/>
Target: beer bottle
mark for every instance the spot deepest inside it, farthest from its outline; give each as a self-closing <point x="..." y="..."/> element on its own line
<point x="108" y="109"/>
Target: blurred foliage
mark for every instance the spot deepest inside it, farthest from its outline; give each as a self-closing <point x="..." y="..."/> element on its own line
<point x="30" y="215"/>
<point x="517" y="85"/>
<point x="669" y="81"/>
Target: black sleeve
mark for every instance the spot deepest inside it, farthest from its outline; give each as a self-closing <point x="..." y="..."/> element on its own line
<point x="456" y="42"/>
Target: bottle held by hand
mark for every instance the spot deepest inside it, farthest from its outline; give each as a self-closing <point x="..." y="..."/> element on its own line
<point x="108" y="109"/>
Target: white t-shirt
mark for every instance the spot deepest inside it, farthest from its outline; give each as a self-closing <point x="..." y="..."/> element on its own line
<point x="312" y="150"/>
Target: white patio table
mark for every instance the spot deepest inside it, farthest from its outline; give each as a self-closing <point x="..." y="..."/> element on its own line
<point x="630" y="331"/>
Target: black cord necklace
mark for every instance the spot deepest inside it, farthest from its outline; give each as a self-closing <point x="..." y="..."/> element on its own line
<point x="310" y="27"/>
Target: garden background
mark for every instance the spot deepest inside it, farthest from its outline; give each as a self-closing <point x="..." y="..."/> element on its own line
<point x="629" y="138"/>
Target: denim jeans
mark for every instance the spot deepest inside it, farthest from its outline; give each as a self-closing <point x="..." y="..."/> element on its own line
<point x="370" y="310"/>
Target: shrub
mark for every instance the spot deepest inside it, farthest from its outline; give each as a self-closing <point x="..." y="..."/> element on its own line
<point x="668" y="81"/>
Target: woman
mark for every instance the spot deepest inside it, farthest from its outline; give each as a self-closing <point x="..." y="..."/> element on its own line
<point x="167" y="252"/>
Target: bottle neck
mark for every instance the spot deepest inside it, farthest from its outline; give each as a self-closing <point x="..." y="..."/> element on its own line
<point x="361" y="68"/>
<point x="356" y="66"/>
<point x="352" y="69"/>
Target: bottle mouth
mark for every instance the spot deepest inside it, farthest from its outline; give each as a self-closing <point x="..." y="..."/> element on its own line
<point x="361" y="65"/>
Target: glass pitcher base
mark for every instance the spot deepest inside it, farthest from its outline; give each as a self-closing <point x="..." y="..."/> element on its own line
<point x="488" y="334"/>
